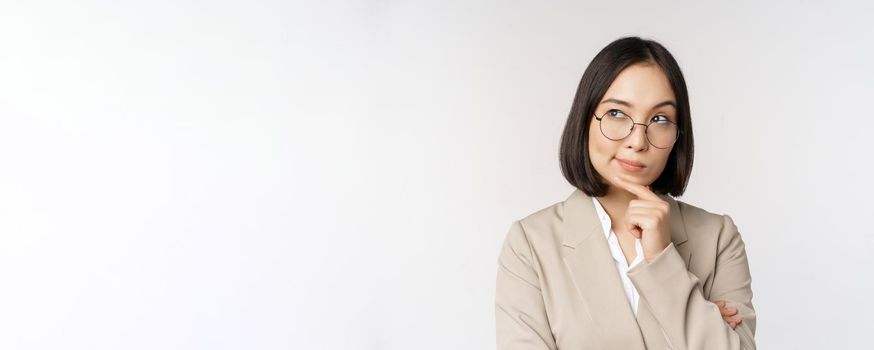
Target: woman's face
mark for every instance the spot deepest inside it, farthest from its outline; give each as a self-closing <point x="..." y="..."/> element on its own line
<point x="641" y="91"/>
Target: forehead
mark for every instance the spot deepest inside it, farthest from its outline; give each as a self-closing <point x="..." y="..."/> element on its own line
<point x="643" y="85"/>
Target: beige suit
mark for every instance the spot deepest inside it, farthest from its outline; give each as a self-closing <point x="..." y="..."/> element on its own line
<point x="557" y="286"/>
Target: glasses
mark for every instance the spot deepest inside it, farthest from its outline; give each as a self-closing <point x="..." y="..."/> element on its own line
<point x="616" y="125"/>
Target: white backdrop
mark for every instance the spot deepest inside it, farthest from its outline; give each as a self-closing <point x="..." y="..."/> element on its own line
<point x="340" y="175"/>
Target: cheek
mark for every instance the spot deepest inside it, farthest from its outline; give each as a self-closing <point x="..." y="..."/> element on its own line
<point x="600" y="148"/>
<point x="658" y="167"/>
<point x="663" y="159"/>
<point x="601" y="151"/>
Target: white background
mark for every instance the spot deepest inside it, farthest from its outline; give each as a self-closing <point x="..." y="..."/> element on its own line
<point x="340" y="175"/>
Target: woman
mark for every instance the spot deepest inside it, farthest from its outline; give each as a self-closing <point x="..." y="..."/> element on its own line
<point x="620" y="264"/>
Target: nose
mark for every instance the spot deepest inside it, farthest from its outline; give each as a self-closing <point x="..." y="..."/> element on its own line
<point x="637" y="140"/>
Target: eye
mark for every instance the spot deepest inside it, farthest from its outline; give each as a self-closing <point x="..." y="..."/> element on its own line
<point x="616" y="113"/>
<point x="660" y="119"/>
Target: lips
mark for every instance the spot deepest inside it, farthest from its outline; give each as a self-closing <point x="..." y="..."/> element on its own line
<point x="630" y="164"/>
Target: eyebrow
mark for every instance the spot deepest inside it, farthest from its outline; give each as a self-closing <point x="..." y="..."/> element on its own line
<point x="627" y="104"/>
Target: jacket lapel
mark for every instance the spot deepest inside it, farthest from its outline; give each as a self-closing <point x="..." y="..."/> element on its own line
<point x="678" y="229"/>
<point x="587" y="257"/>
<point x="591" y="268"/>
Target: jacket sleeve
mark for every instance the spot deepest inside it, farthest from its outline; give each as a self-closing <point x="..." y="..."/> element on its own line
<point x="675" y="297"/>
<point x="519" y="309"/>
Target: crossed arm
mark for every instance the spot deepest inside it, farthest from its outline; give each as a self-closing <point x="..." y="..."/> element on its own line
<point x="676" y="299"/>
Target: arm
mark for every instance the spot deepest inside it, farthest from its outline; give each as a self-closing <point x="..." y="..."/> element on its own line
<point x="674" y="294"/>
<point x="519" y="310"/>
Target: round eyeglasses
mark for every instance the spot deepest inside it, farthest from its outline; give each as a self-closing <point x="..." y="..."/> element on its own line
<point x="660" y="132"/>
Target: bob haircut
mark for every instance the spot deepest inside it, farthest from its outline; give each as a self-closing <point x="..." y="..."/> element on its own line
<point x="576" y="166"/>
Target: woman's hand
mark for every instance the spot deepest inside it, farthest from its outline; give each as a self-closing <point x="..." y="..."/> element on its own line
<point x="647" y="218"/>
<point x="729" y="314"/>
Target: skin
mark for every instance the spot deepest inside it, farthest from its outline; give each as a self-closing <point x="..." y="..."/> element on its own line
<point x="643" y="92"/>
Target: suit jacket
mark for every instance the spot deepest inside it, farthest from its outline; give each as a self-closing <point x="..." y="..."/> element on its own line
<point x="557" y="287"/>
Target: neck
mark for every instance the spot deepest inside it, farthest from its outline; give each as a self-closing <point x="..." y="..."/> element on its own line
<point x="617" y="196"/>
<point x="615" y="203"/>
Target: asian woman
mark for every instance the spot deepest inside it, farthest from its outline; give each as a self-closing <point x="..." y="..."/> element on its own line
<point x="621" y="263"/>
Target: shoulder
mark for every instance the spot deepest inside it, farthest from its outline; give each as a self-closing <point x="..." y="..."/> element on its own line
<point x="698" y="221"/>
<point x="694" y="215"/>
<point x="542" y="225"/>
<point x="543" y="218"/>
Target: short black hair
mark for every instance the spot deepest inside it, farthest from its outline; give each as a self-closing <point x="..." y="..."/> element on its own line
<point x="576" y="166"/>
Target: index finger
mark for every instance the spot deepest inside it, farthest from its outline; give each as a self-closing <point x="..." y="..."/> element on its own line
<point x="640" y="191"/>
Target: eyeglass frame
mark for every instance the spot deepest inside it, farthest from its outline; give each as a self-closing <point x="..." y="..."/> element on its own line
<point x="633" y="124"/>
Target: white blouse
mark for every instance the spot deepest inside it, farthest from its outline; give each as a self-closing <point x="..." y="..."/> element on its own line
<point x="618" y="257"/>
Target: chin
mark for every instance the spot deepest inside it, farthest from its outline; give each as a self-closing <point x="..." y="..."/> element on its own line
<point x="640" y="179"/>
